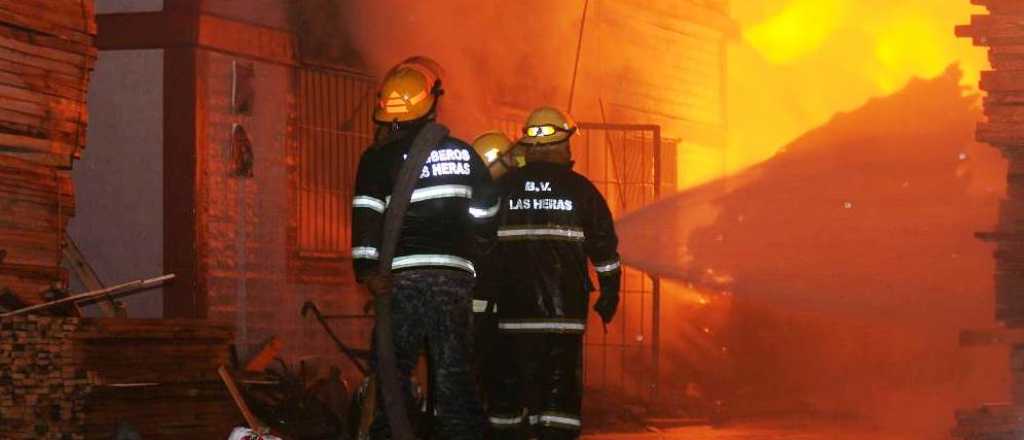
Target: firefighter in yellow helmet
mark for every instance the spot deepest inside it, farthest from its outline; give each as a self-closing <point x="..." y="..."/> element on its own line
<point x="499" y="152"/>
<point x="430" y="280"/>
<point x="551" y="224"/>
<point x="548" y="126"/>
<point x="409" y="93"/>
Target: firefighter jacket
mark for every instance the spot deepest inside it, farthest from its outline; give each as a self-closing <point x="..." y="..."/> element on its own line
<point x="450" y="213"/>
<point x="551" y="221"/>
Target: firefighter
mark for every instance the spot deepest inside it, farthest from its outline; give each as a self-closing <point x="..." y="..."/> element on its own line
<point x="551" y="222"/>
<point x="499" y="152"/>
<point x="501" y="155"/>
<point x="432" y="276"/>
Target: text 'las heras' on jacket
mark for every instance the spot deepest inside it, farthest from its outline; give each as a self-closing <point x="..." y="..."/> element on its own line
<point x="550" y="222"/>
<point x="451" y="208"/>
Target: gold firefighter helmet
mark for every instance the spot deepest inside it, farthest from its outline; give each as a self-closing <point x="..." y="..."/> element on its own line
<point x="547" y="125"/>
<point x="498" y="152"/>
<point x="409" y="91"/>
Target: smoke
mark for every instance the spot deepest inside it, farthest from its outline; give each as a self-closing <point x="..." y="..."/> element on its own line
<point x="850" y="261"/>
<point x="494" y="53"/>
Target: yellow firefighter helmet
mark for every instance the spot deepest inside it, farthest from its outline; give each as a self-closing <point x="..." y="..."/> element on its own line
<point x="498" y="152"/>
<point x="547" y="125"/>
<point x="409" y="91"/>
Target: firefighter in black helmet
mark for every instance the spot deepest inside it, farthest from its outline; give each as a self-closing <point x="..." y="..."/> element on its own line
<point x="432" y="275"/>
<point x="552" y="221"/>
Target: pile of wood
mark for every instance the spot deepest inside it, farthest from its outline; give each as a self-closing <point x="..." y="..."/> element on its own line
<point x="41" y="393"/>
<point x="84" y="378"/>
<point x="36" y="203"/>
<point x="1001" y="421"/>
<point x="47" y="52"/>
<point x="1002" y="31"/>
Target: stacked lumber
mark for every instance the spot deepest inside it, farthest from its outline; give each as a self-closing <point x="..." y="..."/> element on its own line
<point x="157" y="376"/>
<point x="47" y="51"/>
<point x="41" y="392"/>
<point x="1002" y="31"/>
<point x="990" y="422"/>
<point x="36" y="203"/>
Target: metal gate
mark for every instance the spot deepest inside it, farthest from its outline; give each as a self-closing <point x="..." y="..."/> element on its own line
<point x="624" y="162"/>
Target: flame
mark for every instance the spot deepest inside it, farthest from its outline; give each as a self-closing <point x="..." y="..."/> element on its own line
<point x="800" y="28"/>
<point x="800" y="62"/>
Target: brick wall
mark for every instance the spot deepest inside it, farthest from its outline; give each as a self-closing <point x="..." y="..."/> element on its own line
<point x="244" y="249"/>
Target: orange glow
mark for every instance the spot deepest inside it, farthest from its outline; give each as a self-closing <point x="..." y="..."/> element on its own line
<point x="800" y="62"/>
<point x="799" y="29"/>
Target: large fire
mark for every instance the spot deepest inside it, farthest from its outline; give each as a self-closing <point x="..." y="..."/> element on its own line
<point x="799" y="62"/>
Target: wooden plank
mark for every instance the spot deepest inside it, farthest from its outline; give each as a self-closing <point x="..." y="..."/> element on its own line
<point x="43" y="84"/>
<point x="77" y="59"/>
<point x="1000" y="133"/>
<point x="48" y="65"/>
<point x="1001" y="6"/>
<point x="48" y="41"/>
<point x="1002" y="81"/>
<point x="265" y="356"/>
<point x="104" y="328"/>
<point x="28" y="143"/>
<point x="1005" y="113"/>
<point x="1006" y="62"/>
<point x="69" y="17"/>
<point x="29" y="21"/>
<point x="1005" y="98"/>
<point x="987" y="337"/>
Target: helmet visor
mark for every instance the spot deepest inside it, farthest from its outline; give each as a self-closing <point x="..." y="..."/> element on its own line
<point x="542" y="130"/>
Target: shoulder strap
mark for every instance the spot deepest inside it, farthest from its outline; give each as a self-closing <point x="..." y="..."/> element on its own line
<point x="401" y="196"/>
<point x="429" y="137"/>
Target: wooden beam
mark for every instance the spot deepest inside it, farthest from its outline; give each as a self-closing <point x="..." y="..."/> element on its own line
<point x="995" y="336"/>
<point x="162" y="30"/>
<point x="145" y="30"/>
<point x="182" y="118"/>
<point x="247" y="40"/>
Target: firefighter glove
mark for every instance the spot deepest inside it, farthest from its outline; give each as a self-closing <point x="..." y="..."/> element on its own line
<point x="606" y="305"/>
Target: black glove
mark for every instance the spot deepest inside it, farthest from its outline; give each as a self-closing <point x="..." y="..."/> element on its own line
<point x="606" y="305"/>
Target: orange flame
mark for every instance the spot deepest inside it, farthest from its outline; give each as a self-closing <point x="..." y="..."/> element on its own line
<point x="802" y="61"/>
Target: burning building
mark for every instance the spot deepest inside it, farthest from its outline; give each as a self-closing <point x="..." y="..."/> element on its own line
<point x="223" y="137"/>
<point x="239" y="128"/>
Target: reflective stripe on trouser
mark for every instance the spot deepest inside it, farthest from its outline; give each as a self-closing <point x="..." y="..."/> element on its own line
<point x="432" y="260"/>
<point x="556" y="420"/>
<point x="571" y="326"/>
<point x="540" y="373"/>
<point x="435" y="307"/>
<point x="505" y="421"/>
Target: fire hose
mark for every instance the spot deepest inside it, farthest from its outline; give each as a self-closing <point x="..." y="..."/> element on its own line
<point x="401" y="196"/>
